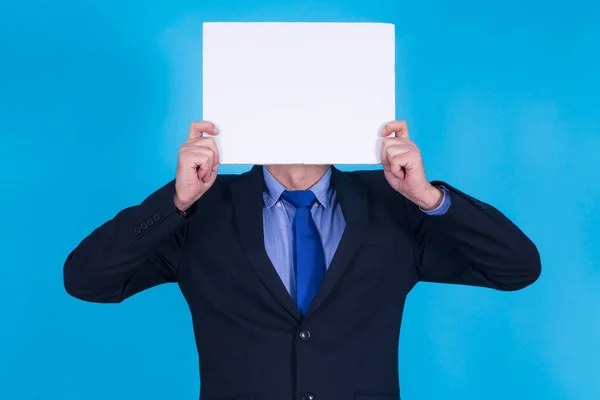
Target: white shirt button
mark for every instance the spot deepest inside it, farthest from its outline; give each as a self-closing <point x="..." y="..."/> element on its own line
<point x="278" y="204"/>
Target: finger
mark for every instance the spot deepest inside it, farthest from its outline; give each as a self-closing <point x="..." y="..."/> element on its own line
<point x="394" y="141"/>
<point x="199" y="127"/>
<point x="204" y="169"/>
<point x="190" y="155"/>
<point x="396" y="166"/>
<point x="395" y="146"/>
<point x="398" y="127"/>
<point x="393" y="151"/>
<point x="207" y="171"/>
<point x="206" y="142"/>
<point x="208" y="176"/>
<point x="197" y="162"/>
<point x="397" y="140"/>
<point x="384" y="155"/>
<point x="384" y="158"/>
<point x="402" y="163"/>
<point x="207" y="158"/>
<point x="211" y="175"/>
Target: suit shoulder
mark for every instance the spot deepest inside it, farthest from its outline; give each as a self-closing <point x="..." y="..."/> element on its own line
<point x="226" y="179"/>
<point x="375" y="183"/>
<point x="369" y="178"/>
<point x="229" y="178"/>
<point x="222" y="185"/>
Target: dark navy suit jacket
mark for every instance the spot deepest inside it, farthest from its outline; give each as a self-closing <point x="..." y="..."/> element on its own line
<point x="253" y="343"/>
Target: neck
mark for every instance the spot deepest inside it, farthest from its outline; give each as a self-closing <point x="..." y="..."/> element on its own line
<point x="298" y="177"/>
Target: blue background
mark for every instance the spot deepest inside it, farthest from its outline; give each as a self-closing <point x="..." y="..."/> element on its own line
<point x="502" y="97"/>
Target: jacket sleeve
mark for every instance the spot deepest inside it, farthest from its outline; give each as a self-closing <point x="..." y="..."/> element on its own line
<point x="472" y="244"/>
<point x="138" y="249"/>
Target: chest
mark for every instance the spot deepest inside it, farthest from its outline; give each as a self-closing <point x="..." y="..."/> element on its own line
<point x="235" y="273"/>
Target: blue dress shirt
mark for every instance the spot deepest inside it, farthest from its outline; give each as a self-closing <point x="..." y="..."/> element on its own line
<point x="278" y="215"/>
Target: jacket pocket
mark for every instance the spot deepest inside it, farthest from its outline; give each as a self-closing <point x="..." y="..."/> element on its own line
<point x="376" y="396"/>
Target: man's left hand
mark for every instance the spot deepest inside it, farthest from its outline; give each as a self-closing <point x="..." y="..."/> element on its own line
<point x="403" y="167"/>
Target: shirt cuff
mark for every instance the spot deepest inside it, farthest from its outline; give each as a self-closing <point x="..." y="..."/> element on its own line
<point x="444" y="205"/>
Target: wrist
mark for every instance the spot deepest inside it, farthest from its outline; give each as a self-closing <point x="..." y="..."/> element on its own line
<point x="431" y="199"/>
<point x="181" y="205"/>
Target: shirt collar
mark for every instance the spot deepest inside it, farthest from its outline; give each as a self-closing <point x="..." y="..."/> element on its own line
<point x="274" y="189"/>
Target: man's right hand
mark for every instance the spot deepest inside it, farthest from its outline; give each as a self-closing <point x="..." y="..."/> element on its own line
<point x="197" y="165"/>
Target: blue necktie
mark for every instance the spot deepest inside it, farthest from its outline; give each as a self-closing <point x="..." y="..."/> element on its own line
<point x="308" y="249"/>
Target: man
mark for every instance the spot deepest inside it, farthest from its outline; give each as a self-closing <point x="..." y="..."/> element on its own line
<point x="296" y="276"/>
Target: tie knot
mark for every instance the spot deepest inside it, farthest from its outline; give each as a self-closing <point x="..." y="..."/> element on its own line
<point x="299" y="198"/>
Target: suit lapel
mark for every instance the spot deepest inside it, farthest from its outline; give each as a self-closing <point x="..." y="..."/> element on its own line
<point x="353" y="201"/>
<point x="247" y="193"/>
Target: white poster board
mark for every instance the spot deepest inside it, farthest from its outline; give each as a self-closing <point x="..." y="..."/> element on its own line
<point x="298" y="93"/>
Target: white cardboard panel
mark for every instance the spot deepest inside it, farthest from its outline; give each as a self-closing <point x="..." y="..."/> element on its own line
<point x="298" y="93"/>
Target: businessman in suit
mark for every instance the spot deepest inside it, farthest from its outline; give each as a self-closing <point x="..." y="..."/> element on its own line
<point x="296" y="276"/>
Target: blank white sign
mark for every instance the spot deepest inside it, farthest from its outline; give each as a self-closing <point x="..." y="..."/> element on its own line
<point x="298" y="93"/>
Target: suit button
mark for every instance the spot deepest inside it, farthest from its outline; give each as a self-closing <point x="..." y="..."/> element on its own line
<point x="144" y="226"/>
<point x="156" y="217"/>
<point x="150" y="222"/>
<point x="137" y="230"/>
<point x="308" y="396"/>
<point x="305" y="335"/>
